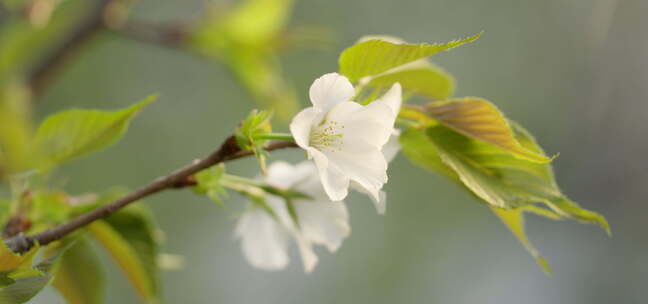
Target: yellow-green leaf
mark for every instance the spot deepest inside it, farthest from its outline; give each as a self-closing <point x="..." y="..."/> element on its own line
<point x="27" y="282"/>
<point x="419" y="149"/>
<point x="73" y="133"/>
<point x="15" y="128"/>
<point x="566" y="208"/>
<point x="129" y="238"/>
<point x="480" y="119"/>
<point x="126" y="257"/>
<point x="80" y="278"/>
<point x="369" y="58"/>
<point x="257" y="21"/>
<point x="10" y="261"/>
<point x="495" y="176"/>
<point x="426" y="80"/>
<point x="502" y="180"/>
<point x="514" y="220"/>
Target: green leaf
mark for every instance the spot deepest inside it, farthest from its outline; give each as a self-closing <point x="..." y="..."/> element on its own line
<point x="128" y="237"/>
<point x="4" y="209"/>
<point x="10" y="261"/>
<point x="15" y="128"/>
<point x="73" y="133"/>
<point x="247" y="39"/>
<point x="257" y="123"/>
<point x="26" y="284"/>
<point x="209" y="183"/>
<point x="566" y="208"/>
<point x="373" y="57"/>
<point x="79" y="278"/>
<point x="256" y="21"/>
<point x="496" y="177"/>
<point x="514" y="220"/>
<point x="502" y="180"/>
<point x="424" y="79"/>
<point x="49" y="207"/>
<point x="252" y="23"/>
<point x="418" y="148"/>
<point x="480" y="119"/>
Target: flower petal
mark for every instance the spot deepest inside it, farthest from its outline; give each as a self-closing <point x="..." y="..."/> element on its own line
<point x="309" y="258"/>
<point x="301" y="125"/>
<point x="285" y="175"/>
<point x="370" y="124"/>
<point x="323" y="222"/>
<point x="381" y="203"/>
<point x="335" y="182"/>
<point x="393" y="98"/>
<point x="263" y="240"/>
<point x="329" y="90"/>
<point x="379" y="200"/>
<point x="363" y="164"/>
<point x="391" y="148"/>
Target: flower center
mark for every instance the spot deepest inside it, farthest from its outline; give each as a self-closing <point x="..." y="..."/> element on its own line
<point x="327" y="136"/>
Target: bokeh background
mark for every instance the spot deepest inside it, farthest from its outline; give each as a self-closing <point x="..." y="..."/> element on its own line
<point x="575" y="72"/>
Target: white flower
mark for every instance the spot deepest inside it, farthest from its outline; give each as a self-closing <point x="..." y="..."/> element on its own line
<point x="390" y="150"/>
<point x="266" y="238"/>
<point x="345" y="138"/>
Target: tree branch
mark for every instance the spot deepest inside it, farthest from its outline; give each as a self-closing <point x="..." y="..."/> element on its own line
<point x="172" y="36"/>
<point x="40" y="75"/>
<point x="229" y="150"/>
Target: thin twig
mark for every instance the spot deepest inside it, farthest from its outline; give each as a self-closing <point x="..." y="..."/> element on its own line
<point x="40" y="75"/>
<point x="229" y="150"/>
<point x="173" y="36"/>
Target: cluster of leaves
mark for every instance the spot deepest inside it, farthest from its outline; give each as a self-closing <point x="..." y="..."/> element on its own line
<point x="72" y="265"/>
<point x="467" y="140"/>
<point x="248" y="38"/>
<point x="248" y="134"/>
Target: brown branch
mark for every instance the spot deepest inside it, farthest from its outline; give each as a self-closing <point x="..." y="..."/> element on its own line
<point x="229" y="150"/>
<point x="42" y="72"/>
<point x="172" y="36"/>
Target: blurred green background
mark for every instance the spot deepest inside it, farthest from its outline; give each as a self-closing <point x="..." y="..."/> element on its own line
<point x="573" y="71"/>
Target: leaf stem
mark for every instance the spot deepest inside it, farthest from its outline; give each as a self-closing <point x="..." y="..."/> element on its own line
<point x="285" y="193"/>
<point x="275" y="136"/>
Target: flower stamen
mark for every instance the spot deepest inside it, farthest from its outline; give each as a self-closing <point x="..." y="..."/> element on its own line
<point x="327" y="136"/>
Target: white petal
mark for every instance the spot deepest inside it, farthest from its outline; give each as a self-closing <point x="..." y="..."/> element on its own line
<point x="391" y="148"/>
<point x="381" y="203"/>
<point x="301" y="125"/>
<point x="371" y="124"/>
<point x="286" y="175"/>
<point x="365" y="165"/>
<point x="379" y="200"/>
<point x="393" y="99"/>
<point x="335" y="182"/>
<point x="329" y="90"/>
<point x="309" y="258"/>
<point x="323" y="222"/>
<point x="263" y="240"/>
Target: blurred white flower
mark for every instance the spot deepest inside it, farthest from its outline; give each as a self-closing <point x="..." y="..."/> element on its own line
<point x="345" y="138"/>
<point x="266" y="237"/>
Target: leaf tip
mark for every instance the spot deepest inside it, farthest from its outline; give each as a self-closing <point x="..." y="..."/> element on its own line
<point x="150" y="99"/>
<point x="544" y="265"/>
<point x="603" y="223"/>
